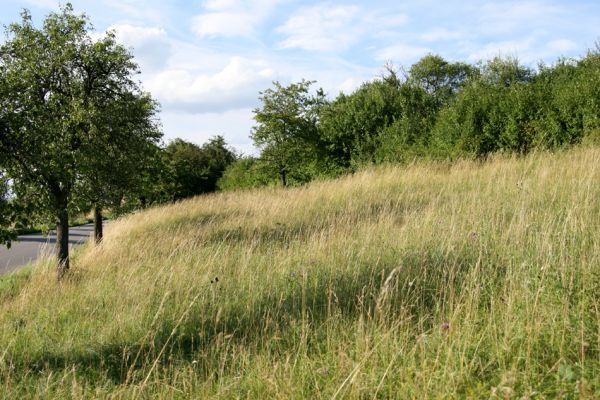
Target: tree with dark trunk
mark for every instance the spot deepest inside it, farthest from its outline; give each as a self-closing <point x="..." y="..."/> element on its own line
<point x="98" y="228"/>
<point x="286" y="126"/>
<point x="56" y="83"/>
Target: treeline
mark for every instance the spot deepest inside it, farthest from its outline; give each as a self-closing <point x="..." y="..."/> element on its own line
<point x="436" y="109"/>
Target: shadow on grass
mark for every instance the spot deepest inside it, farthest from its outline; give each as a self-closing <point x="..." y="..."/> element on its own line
<point x="418" y="286"/>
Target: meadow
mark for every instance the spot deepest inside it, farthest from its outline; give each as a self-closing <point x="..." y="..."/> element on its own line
<point x="476" y="279"/>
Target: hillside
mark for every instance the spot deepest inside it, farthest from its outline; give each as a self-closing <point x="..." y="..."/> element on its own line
<point x="432" y="280"/>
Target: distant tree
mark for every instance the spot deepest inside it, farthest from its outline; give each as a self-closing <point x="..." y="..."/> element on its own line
<point x="218" y="156"/>
<point x="186" y="171"/>
<point x="494" y="111"/>
<point x="440" y="78"/>
<point x="193" y="169"/>
<point x="286" y="126"/>
<point x="505" y="72"/>
<point x="351" y="124"/>
<point x="55" y="82"/>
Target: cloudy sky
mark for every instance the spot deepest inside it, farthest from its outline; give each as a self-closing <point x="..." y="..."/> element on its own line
<point x="206" y="60"/>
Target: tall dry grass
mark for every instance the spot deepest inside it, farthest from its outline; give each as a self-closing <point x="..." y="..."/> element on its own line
<point x="472" y="280"/>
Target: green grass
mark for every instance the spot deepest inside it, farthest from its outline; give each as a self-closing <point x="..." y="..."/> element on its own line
<point x="340" y="289"/>
<point x="11" y="284"/>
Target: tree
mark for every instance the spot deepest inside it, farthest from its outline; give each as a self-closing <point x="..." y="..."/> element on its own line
<point x="218" y="156"/>
<point x="286" y="126"/>
<point x="55" y="84"/>
<point x="351" y="124"/>
<point x="193" y="169"/>
<point x="127" y="134"/>
<point x="440" y="78"/>
<point x="493" y="111"/>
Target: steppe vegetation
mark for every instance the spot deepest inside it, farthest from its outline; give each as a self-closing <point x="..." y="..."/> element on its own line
<point x="471" y="279"/>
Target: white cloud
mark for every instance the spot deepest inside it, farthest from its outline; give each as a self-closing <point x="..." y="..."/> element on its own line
<point x="322" y="28"/>
<point x="329" y="28"/>
<point x="224" y="24"/>
<point x="232" y="18"/>
<point x="219" y="5"/>
<point x="136" y="35"/>
<point x="137" y="12"/>
<point x="402" y="53"/>
<point x="388" y="20"/>
<point x="150" y="45"/>
<point x="235" y="86"/>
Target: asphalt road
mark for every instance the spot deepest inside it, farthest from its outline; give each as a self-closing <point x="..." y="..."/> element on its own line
<point x="29" y="247"/>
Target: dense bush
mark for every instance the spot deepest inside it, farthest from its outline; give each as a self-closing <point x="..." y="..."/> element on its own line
<point x="191" y="169"/>
<point x="245" y="173"/>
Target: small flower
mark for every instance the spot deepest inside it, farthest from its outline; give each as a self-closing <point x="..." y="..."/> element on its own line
<point x="444" y="327"/>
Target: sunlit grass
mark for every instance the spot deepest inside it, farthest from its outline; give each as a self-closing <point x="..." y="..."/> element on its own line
<point x="433" y="280"/>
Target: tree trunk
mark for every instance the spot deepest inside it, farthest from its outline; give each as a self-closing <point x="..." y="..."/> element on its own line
<point x="98" y="233"/>
<point x="62" y="237"/>
<point x="283" y="177"/>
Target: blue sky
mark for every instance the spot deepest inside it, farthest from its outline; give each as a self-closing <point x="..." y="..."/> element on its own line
<point x="206" y="60"/>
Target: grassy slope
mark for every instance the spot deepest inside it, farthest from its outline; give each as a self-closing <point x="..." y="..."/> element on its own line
<point x="337" y="289"/>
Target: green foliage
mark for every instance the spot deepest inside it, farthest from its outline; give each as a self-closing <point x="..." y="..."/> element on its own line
<point x="124" y="154"/>
<point x="437" y="109"/>
<point x="75" y="125"/>
<point x="193" y="170"/>
<point x="246" y="173"/>
<point x="286" y="129"/>
<point x="440" y="78"/>
<point x="382" y="119"/>
<point x="350" y="125"/>
<point x="510" y="108"/>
